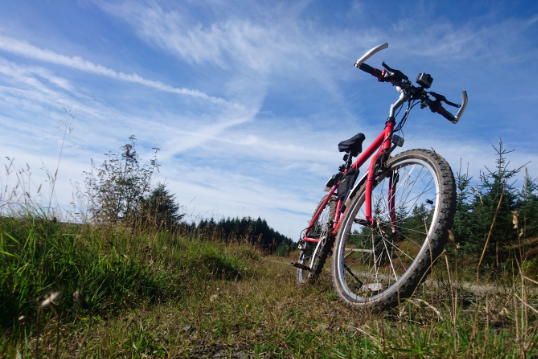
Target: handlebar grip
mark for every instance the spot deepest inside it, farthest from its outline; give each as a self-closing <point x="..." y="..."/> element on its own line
<point x="436" y="106"/>
<point x="366" y="68"/>
<point x="443" y="112"/>
<point x="372" y="71"/>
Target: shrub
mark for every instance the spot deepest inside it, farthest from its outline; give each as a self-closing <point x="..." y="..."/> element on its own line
<point x="119" y="186"/>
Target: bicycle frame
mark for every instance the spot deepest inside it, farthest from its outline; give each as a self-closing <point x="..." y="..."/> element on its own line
<point x="382" y="142"/>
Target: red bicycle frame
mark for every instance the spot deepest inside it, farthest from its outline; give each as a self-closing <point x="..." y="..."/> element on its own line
<point x="382" y="142"/>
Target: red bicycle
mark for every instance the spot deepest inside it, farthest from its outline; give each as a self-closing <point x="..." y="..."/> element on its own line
<point x="387" y="228"/>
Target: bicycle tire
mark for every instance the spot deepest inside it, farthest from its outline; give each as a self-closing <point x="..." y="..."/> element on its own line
<point x="308" y="255"/>
<point x="384" y="265"/>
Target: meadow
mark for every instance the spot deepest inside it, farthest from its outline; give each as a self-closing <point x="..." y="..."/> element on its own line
<point x="89" y="291"/>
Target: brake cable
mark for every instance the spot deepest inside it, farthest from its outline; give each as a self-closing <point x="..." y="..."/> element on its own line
<point x="410" y="106"/>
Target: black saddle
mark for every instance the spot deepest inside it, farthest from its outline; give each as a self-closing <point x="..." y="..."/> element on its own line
<point x="353" y="146"/>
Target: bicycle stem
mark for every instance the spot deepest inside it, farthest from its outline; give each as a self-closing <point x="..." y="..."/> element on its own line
<point x="403" y="97"/>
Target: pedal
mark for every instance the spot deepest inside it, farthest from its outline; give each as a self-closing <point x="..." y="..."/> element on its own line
<point x="300" y="266"/>
<point x="363" y="222"/>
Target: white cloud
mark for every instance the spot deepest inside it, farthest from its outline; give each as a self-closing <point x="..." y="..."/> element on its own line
<point x="257" y="51"/>
<point x="480" y="40"/>
<point x="258" y="46"/>
<point x="25" y="49"/>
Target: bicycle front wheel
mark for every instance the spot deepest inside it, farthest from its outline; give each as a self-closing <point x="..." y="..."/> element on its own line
<point x="413" y="205"/>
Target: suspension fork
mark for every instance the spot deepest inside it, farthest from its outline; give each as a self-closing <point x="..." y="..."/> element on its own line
<point x="385" y="148"/>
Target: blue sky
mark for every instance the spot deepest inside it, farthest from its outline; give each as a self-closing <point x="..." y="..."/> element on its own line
<point x="248" y="100"/>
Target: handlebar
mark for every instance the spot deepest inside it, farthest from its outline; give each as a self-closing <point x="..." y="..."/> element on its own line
<point x="371" y="53"/>
<point x="397" y="78"/>
<point x="462" y="106"/>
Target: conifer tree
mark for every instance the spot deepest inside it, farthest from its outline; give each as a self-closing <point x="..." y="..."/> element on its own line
<point x="160" y="208"/>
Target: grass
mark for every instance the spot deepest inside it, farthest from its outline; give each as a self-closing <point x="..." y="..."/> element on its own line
<point x="114" y="267"/>
<point x="162" y="294"/>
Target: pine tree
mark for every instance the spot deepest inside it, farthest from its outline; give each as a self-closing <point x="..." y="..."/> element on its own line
<point x="492" y="203"/>
<point x="527" y="207"/>
<point x="464" y="222"/>
<point x="160" y="208"/>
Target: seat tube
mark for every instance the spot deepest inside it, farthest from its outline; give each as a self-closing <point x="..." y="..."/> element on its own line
<point x="385" y="146"/>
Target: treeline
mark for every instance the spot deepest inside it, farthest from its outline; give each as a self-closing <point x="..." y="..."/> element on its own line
<point x="120" y="192"/>
<point x="246" y="230"/>
<point x="493" y="209"/>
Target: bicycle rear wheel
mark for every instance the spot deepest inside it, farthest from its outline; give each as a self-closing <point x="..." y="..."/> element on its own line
<point x="314" y="255"/>
<point x="376" y="267"/>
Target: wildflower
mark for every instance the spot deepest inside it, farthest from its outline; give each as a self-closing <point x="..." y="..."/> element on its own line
<point x="48" y="300"/>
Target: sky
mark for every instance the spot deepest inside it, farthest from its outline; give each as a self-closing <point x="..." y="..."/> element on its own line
<point x="247" y="100"/>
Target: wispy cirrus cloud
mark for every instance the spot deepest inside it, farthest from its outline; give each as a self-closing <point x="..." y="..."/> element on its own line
<point x="25" y="49"/>
<point x="231" y="41"/>
<point x="507" y="40"/>
<point x="257" y="49"/>
<point x="12" y="69"/>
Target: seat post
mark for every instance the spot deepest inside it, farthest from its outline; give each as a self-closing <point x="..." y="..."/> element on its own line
<point x="348" y="161"/>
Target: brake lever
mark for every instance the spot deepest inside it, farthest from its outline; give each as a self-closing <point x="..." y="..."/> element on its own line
<point x="396" y="73"/>
<point x="439" y="97"/>
<point x="387" y="67"/>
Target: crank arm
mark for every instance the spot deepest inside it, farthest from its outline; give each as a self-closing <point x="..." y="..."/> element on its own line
<point x="300" y="266"/>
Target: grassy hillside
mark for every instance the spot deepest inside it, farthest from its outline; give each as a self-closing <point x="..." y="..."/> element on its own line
<point x="157" y="294"/>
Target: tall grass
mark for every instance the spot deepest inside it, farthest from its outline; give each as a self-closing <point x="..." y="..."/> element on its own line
<point x="113" y="266"/>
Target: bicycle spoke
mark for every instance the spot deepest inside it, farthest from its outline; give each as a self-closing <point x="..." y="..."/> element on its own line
<point x="392" y="244"/>
<point x="389" y="256"/>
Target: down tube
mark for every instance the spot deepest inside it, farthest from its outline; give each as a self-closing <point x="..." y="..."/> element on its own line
<point x="384" y="140"/>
